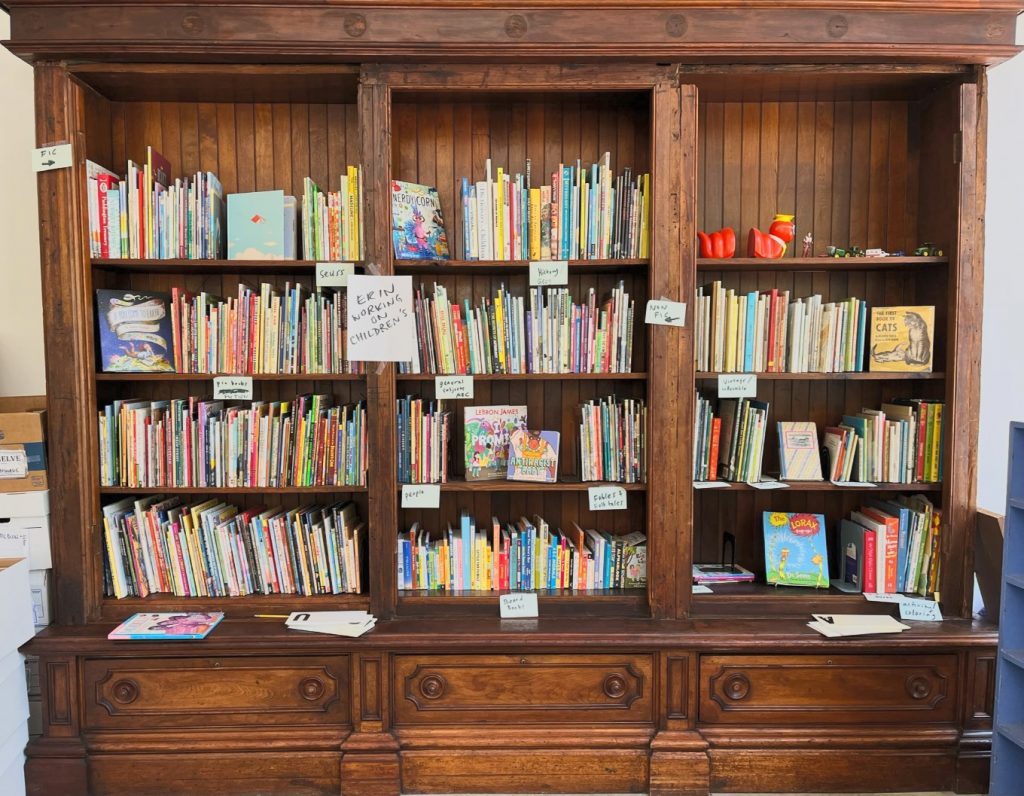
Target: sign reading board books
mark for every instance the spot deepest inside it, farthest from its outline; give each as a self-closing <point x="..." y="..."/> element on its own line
<point x="533" y="456"/>
<point x="795" y="551"/>
<point x="417" y="227"/>
<point x="135" y="331"/>
<point x="901" y="339"/>
<point x="487" y="431"/>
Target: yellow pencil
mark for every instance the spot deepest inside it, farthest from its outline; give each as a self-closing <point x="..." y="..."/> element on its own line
<point x="271" y="616"/>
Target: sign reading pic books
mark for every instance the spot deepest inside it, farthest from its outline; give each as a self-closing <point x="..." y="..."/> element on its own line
<point x="902" y="339"/>
<point x="134" y="330"/>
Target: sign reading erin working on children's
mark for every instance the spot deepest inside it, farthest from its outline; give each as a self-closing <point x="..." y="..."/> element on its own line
<point x="381" y="326"/>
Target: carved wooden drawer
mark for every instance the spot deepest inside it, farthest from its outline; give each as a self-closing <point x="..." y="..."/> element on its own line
<point x="211" y="692"/>
<point x="827" y="689"/>
<point x="461" y="689"/>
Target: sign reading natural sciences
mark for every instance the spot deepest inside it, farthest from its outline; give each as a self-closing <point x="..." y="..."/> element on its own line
<point x="381" y="326"/>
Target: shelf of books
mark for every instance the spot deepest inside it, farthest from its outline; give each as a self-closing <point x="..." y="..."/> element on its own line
<point x="819" y="436"/>
<point x="528" y="247"/>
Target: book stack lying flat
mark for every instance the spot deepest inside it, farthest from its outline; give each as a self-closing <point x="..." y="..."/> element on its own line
<point x="335" y="623"/>
<point x="574" y="213"/>
<point x="768" y="333"/>
<point x="520" y="555"/>
<point x="166" y="627"/>
<point x="215" y="549"/>
<point x="423" y="430"/>
<point x="900" y="443"/>
<point x="613" y="440"/>
<point x="545" y="332"/>
<point x="706" y="574"/>
<point x="192" y="442"/>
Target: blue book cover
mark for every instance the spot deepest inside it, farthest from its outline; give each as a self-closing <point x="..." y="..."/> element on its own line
<point x="795" y="549"/>
<point x="466" y="245"/>
<point x="170" y="626"/>
<point x="417" y="226"/>
<point x="134" y="331"/>
<point x="467" y="551"/>
<point x="256" y="226"/>
<point x="862" y="325"/>
<point x="748" y="354"/>
<point x="564" y="232"/>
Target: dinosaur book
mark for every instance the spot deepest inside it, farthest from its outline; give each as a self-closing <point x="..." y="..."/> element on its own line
<point x="795" y="549"/>
<point x="902" y="339"/>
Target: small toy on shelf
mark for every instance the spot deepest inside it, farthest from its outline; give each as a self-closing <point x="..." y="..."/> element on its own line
<point x="718" y="245"/>
<point x="928" y="250"/>
<point x="836" y="251"/>
<point x="808" y="250"/>
<point x="876" y="253"/>
<point x="772" y="245"/>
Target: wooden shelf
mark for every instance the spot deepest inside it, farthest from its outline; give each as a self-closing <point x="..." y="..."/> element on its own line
<point x="150" y="266"/>
<point x="612" y="602"/>
<point x="461" y="485"/>
<point x="863" y="376"/>
<point x="495" y="267"/>
<point x="826" y="486"/>
<point x="225" y="490"/>
<point x="115" y="610"/>
<point x="756" y="599"/>
<point x="642" y="376"/>
<point x="211" y="376"/>
<point x="819" y="263"/>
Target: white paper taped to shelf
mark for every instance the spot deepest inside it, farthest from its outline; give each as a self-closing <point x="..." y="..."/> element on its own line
<point x="549" y="272"/>
<point x="13" y="464"/>
<point x="606" y="498"/>
<point x="381" y="321"/>
<point x="518" y="604"/>
<point x="883" y="598"/>
<point x="48" y="158"/>
<point x="334" y="274"/>
<point x="665" y="313"/>
<point x="701" y="589"/>
<point x="421" y="496"/>
<point x="455" y="387"/>
<point x="737" y="385"/>
<point x="227" y="388"/>
<point x="768" y="484"/>
<point x="711" y="485"/>
<point x="854" y="484"/>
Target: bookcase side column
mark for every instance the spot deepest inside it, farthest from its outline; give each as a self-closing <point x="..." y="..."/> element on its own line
<point x="67" y="311"/>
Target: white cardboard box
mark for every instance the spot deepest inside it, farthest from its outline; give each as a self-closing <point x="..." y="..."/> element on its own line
<point x="12" y="779"/>
<point x="16" y="625"/>
<point x="25" y="527"/>
<point x="13" y="695"/>
<point x="39" y="582"/>
<point x="12" y="749"/>
<point x="25" y="504"/>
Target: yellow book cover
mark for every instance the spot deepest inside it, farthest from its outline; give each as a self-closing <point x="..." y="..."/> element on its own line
<point x="730" y="331"/>
<point x="901" y="339"/>
<point x="936" y="439"/>
<point x="499" y="215"/>
<point x="535" y="223"/>
<point x="644" y="216"/>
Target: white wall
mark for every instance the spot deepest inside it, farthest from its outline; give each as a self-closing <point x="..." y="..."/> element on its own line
<point x="1002" y="387"/>
<point x="21" y="322"/>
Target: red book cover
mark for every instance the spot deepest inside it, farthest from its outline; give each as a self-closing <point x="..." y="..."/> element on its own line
<point x="461" y="355"/>
<point x="716" y="432"/>
<point x="104" y="182"/>
<point x="922" y="439"/>
<point x="891" y="545"/>
<point x="868" y="570"/>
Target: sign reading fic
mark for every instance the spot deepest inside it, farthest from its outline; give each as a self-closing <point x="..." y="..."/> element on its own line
<point x="518" y="604"/>
<point x="421" y="496"/>
<point x="334" y="274"/>
<point x="13" y="464"/>
<point x="380" y="318"/>
<point x="606" y="498"/>
<point x="737" y="385"/>
<point x="48" y="158"/>
<point x="549" y="272"/>
<point x="226" y="388"/>
<point x="665" y="313"/>
<point x="459" y="388"/>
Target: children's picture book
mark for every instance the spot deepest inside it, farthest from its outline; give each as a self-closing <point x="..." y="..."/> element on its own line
<point x="417" y="226"/>
<point x="262" y="226"/>
<point x="902" y="339"/>
<point x="856" y="558"/>
<point x="166" y="626"/>
<point x="487" y="431"/>
<point x="134" y="331"/>
<point x="799" y="455"/>
<point x="721" y="573"/>
<point x="533" y="456"/>
<point x="635" y="557"/>
<point x="795" y="550"/>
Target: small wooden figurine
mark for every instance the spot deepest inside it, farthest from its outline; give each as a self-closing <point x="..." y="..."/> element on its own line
<point x="718" y="245"/>
<point x="808" y="250"/>
<point x="772" y="245"/>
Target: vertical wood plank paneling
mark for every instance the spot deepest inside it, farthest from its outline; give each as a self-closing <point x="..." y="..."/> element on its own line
<point x="821" y="222"/>
<point x="714" y="164"/>
<point x="878" y="174"/>
<point x="768" y="163"/>
<point x="245" y="143"/>
<point x="263" y="138"/>
<point x="732" y="171"/>
<point x="750" y="176"/>
<point x="842" y="166"/>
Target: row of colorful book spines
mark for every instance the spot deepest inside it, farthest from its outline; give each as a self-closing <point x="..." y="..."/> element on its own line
<point x="338" y="214"/>
<point x="614" y="449"/>
<point x="423" y="447"/>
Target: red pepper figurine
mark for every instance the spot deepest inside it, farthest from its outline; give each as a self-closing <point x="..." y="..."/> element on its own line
<point x="772" y="245"/>
<point x="718" y="245"/>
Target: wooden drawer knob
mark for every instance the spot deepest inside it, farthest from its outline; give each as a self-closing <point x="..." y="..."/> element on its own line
<point x="311" y="688"/>
<point x="918" y="686"/>
<point x="126" y="691"/>
<point x="432" y="686"/>
<point x="736" y="687"/>
<point x="615" y="686"/>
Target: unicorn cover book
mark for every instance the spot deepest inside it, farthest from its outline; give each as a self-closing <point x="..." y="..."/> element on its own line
<point x="417" y="226"/>
<point x="134" y="331"/>
<point x="795" y="549"/>
<point x="487" y="432"/>
<point x="533" y="456"/>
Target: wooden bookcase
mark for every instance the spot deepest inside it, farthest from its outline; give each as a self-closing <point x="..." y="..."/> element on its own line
<point x="871" y="130"/>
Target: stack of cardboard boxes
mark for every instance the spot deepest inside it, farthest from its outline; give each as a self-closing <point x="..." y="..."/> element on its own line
<point x="25" y="563"/>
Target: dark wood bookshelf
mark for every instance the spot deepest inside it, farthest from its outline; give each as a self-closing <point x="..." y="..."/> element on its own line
<point x="862" y="376"/>
<point x="175" y="377"/>
<point x="738" y="599"/>
<point x="501" y="485"/>
<point x="825" y="264"/>
<point x="498" y="267"/>
<point x="226" y="490"/>
<point x="154" y="266"/>
<point x="826" y="486"/>
<point x="116" y="610"/>
<point x="530" y="376"/>
<point x="610" y="602"/>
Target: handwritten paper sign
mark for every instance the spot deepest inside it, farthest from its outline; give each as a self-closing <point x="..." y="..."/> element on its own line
<point x="737" y="385"/>
<point x="710" y="484"/>
<point x="921" y="610"/>
<point x="518" y="604"/>
<point x="459" y="388"/>
<point x="421" y="496"/>
<point x="48" y="158"/>
<point x="768" y="484"/>
<point x="334" y="274"/>
<point x="381" y="326"/>
<point x="549" y="272"/>
<point x="13" y="464"/>
<point x="232" y="388"/>
<point x="883" y="598"/>
<point x="665" y="313"/>
<point x="606" y="498"/>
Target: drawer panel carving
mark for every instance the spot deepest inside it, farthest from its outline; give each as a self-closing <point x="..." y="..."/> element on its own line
<point x="446" y="689"/>
<point x="827" y="689"/>
<point x="206" y="692"/>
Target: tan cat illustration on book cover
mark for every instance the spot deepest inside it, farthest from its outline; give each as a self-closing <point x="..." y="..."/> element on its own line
<point x="901" y="339"/>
